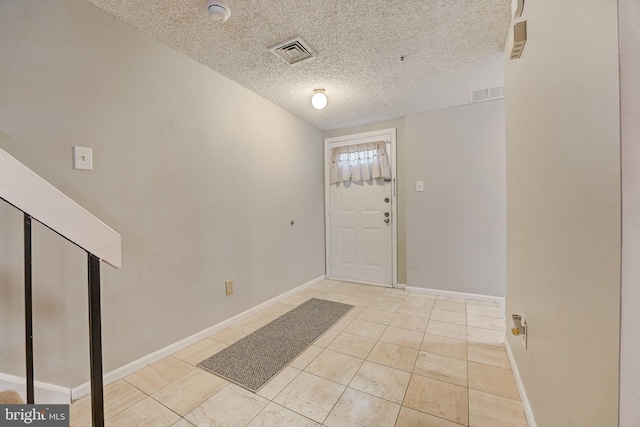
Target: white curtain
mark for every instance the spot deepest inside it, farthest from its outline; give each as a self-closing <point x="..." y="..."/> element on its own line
<point x="360" y="162"/>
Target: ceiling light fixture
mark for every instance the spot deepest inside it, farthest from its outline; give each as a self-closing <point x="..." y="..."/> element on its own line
<point x="218" y="11"/>
<point x="319" y="99"/>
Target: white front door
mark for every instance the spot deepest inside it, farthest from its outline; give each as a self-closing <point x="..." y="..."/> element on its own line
<point x="361" y="243"/>
<point x="361" y="231"/>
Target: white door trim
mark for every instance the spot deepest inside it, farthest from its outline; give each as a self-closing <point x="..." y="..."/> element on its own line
<point x="388" y="135"/>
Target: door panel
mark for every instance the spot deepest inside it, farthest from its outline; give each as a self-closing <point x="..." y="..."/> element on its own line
<point x="347" y="245"/>
<point x="347" y="201"/>
<point x="372" y="247"/>
<point x="371" y="202"/>
<point x="361" y="240"/>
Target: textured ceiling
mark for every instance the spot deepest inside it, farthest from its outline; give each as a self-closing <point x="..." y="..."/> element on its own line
<point x="450" y="47"/>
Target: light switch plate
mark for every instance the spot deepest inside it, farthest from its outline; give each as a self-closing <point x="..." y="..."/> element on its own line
<point x="419" y="185"/>
<point x="83" y="158"/>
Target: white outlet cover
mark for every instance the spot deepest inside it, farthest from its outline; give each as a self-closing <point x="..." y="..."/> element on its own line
<point x="82" y="158"/>
<point x="419" y="185"/>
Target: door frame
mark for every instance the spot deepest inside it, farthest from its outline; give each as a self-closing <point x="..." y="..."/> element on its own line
<point x="387" y="135"/>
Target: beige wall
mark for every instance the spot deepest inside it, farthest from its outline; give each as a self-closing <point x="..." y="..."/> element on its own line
<point x="563" y="210"/>
<point x="456" y="226"/>
<point x="459" y="153"/>
<point x="629" y="21"/>
<point x="199" y="175"/>
<point x="400" y="147"/>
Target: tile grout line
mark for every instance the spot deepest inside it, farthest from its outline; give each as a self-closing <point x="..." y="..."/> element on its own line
<point x="387" y="325"/>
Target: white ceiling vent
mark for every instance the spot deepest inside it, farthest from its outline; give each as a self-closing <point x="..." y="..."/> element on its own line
<point x="486" y="94"/>
<point x="293" y="51"/>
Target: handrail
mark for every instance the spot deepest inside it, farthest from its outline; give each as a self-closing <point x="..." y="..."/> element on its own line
<point x="37" y="199"/>
<point x="27" y="191"/>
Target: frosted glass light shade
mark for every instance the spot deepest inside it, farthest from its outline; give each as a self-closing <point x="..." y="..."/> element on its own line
<point x="319" y="99"/>
<point x="218" y="11"/>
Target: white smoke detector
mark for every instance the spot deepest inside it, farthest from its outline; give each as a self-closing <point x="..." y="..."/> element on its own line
<point x="218" y="11"/>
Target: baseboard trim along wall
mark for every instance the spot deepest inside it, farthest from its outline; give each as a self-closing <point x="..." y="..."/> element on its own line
<point x="123" y="371"/>
<point x="44" y="392"/>
<point x="528" y="412"/>
<point x="464" y="295"/>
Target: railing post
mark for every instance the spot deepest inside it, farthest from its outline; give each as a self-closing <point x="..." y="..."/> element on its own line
<point x="95" y="342"/>
<point x="28" y="308"/>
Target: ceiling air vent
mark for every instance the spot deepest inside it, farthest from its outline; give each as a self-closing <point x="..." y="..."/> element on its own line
<point x="486" y="94"/>
<point x="293" y="51"/>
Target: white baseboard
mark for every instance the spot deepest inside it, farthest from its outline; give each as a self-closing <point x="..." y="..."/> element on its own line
<point x="123" y="371"/>
<point x="44" y="393"/>
<point x="464" y="295"/>
<point x="528" y="412"/>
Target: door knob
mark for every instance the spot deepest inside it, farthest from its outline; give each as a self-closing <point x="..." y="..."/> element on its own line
<point x="386" y="220"/>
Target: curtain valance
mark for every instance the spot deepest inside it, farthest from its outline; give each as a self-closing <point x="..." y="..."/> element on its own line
<point x="359" y="162"/>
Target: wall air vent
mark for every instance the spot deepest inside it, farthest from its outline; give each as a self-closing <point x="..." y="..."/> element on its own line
<point x="519" y="39"/>
<point x="293" y="51"/>
<point x="486" y="94"/>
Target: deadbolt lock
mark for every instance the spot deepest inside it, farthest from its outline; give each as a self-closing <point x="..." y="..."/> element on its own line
<point x="386" y="214"/>
<point x="386" y="200"/>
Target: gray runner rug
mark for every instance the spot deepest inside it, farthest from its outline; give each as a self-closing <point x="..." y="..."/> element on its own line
<point x="256" y="358"/>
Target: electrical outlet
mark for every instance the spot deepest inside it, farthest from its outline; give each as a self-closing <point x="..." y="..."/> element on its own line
<point x="228" y="287"/>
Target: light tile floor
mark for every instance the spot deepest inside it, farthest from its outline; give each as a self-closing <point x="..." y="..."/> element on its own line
<point x="397" y="359"/>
